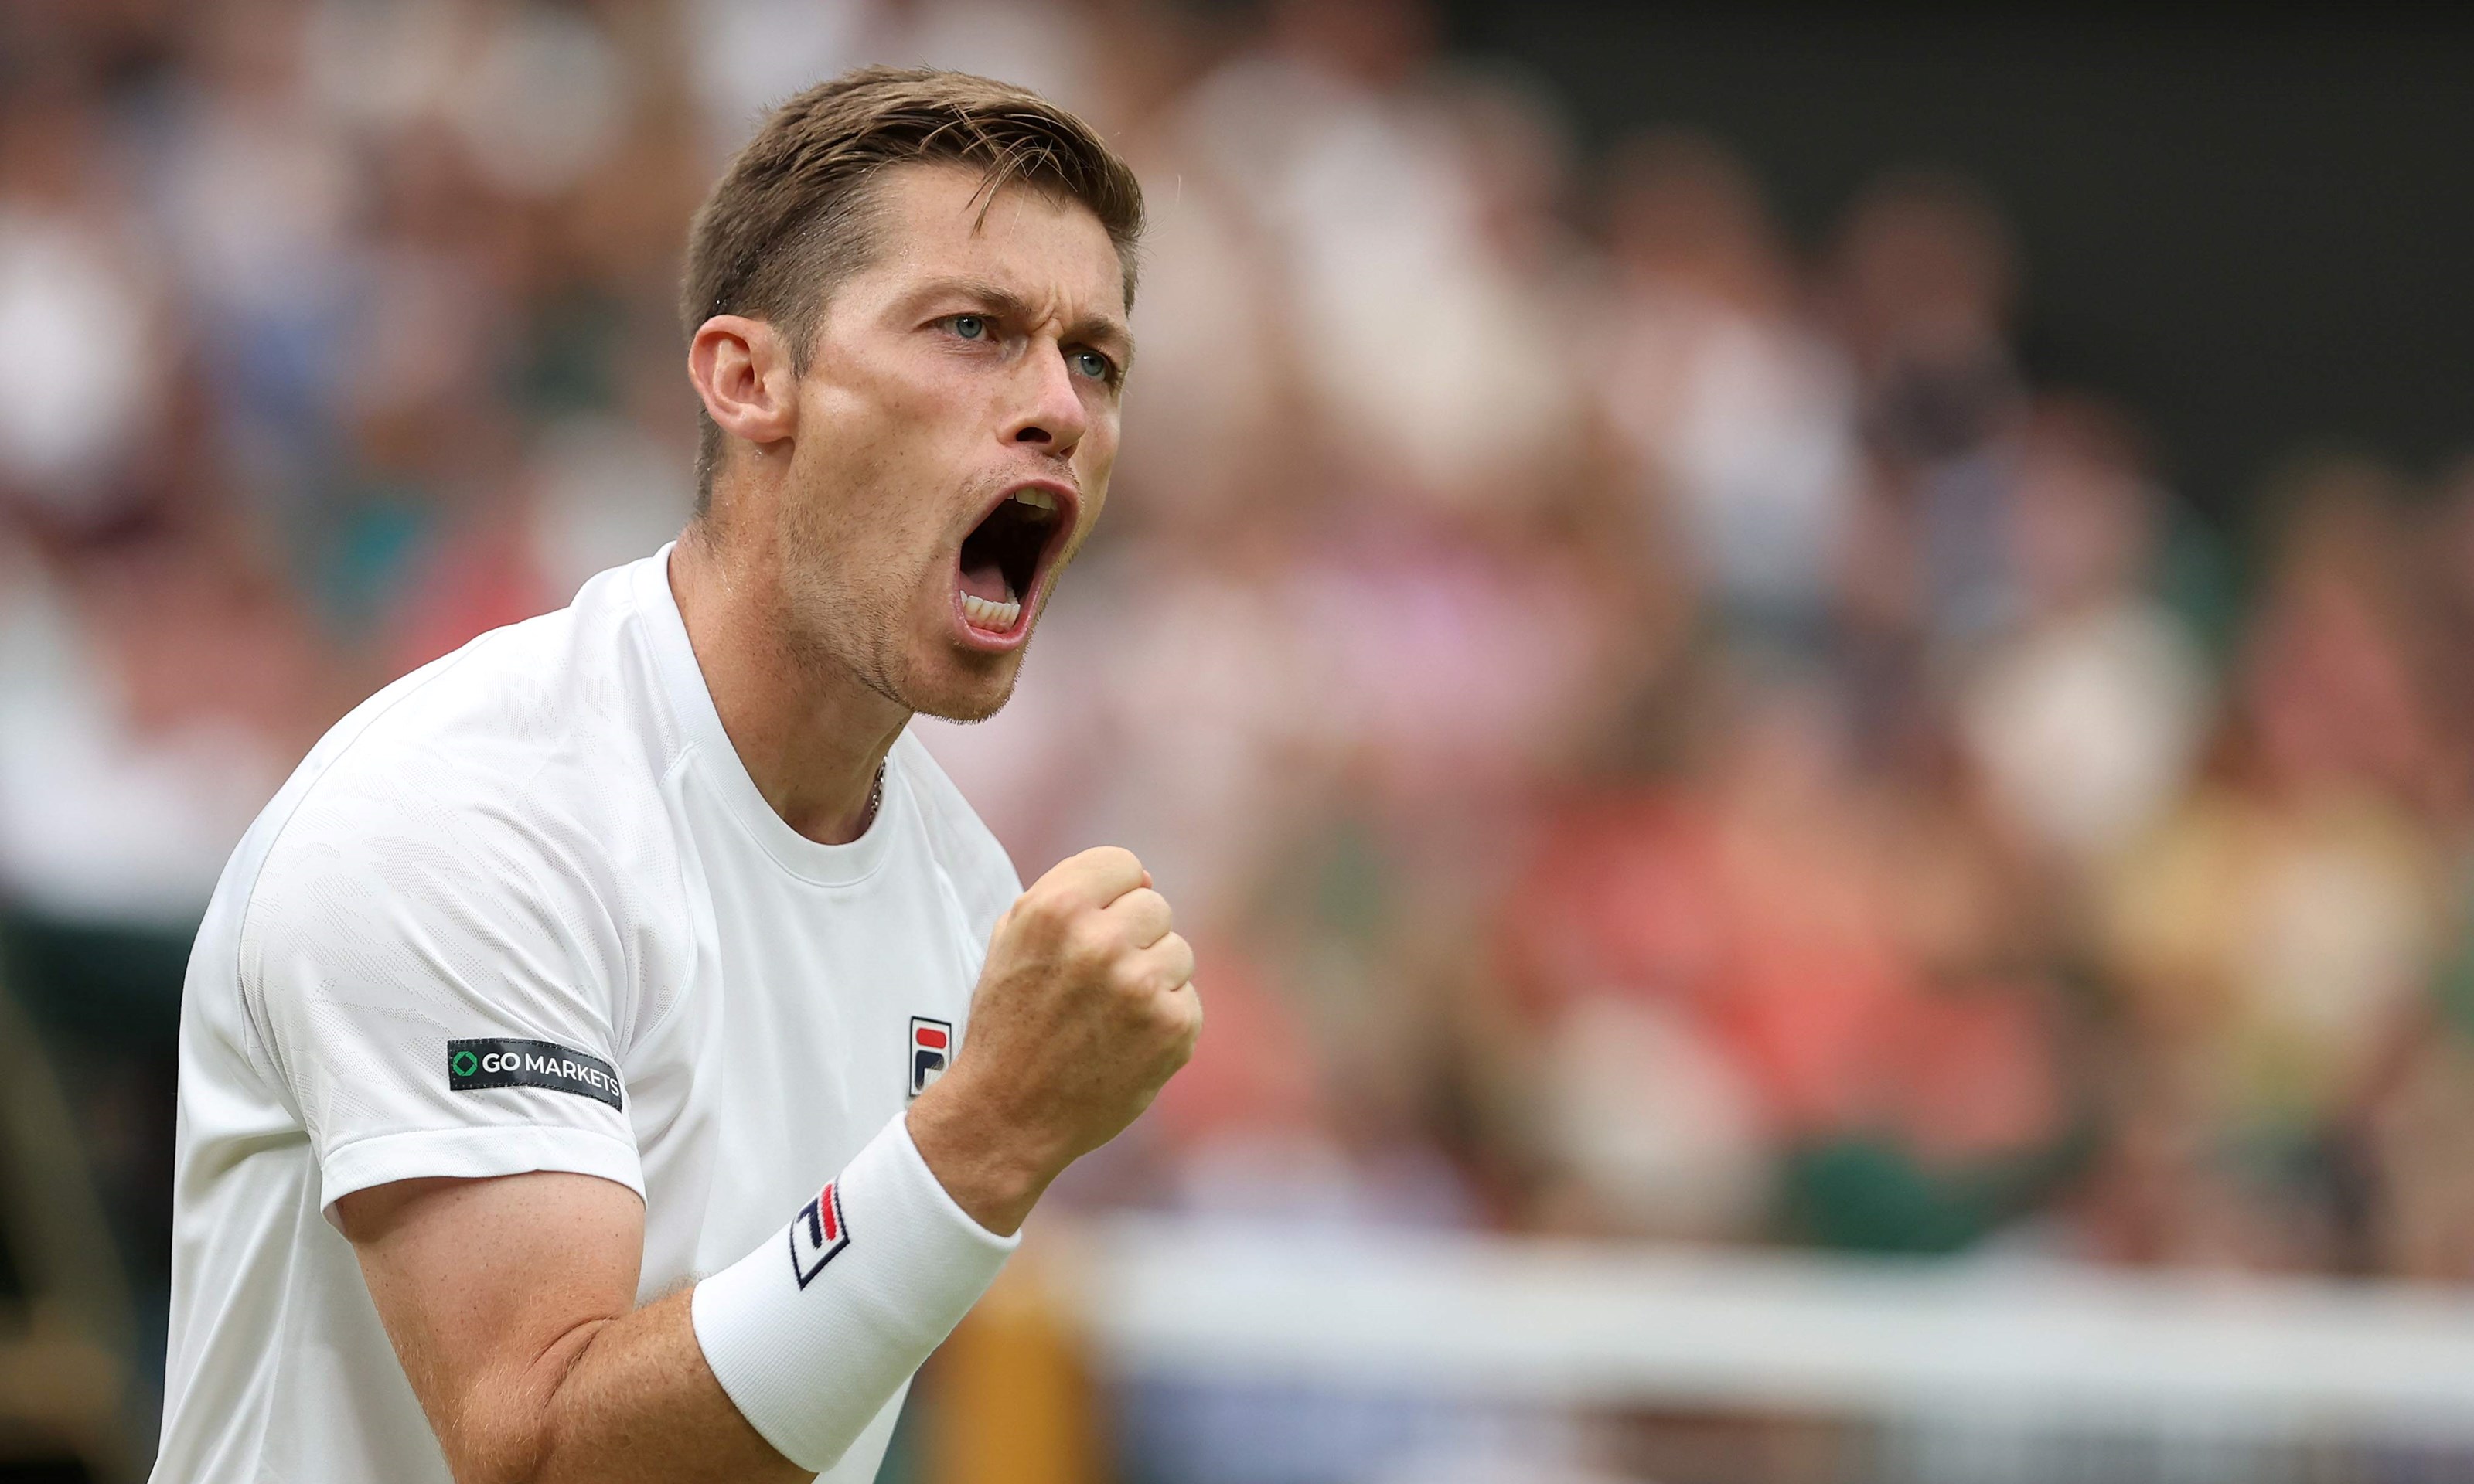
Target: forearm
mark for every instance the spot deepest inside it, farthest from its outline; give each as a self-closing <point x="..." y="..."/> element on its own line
<point x="520" y="1398"/>
<point x="508" y="1302"/>
<point x="634" y="1402"/>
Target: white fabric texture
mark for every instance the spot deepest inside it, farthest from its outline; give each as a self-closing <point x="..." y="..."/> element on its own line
<point x="542" y="844"/>
<point x="815" y="1330"/>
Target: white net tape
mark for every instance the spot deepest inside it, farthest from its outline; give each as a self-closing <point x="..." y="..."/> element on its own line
<point x="1970" y="1372"/>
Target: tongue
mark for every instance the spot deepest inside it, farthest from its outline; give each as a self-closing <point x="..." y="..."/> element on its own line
<point x="986" y="580"/>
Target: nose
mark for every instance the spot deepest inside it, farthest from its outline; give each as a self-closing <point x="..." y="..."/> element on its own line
<point x="1049" y="411"/>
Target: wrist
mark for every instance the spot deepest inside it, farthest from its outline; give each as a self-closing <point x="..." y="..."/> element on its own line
<point x="813" y="1331"/>
<point x="995" y="1168"/>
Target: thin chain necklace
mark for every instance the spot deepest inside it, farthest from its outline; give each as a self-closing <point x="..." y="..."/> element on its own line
<point x="875" y="796"/>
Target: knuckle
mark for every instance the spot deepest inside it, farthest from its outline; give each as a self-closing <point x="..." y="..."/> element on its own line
<point x="1041" y="910"/>
<point x="1181" y="1043"/>
<point x="1137" y="977"/>
<point x="1168" y="1020"/>
<point x="1089" y="939"/>
<point x="1113" y="858"/>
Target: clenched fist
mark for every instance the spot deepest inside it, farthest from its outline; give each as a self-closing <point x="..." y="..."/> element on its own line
<point x="1085" y="1009"/>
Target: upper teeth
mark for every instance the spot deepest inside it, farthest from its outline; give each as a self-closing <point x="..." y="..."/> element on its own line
<point x="1036" y="499"/>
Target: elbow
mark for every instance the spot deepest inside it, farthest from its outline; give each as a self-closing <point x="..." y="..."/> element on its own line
<point x="518" y="1429"/>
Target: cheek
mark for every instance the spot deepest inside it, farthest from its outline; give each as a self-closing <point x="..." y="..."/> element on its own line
<point x="1097" y="456"/>
<point x="873" y="401"/>
<point x="1095" y="501"/>
<point x="1093" y="464"/>
<point x="878" y="478"/>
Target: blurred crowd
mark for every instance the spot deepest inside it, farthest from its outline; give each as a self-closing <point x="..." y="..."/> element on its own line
<point x="1657" y="728"/>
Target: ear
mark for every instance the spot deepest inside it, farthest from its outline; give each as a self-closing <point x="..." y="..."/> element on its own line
<point x="743" y="371"/>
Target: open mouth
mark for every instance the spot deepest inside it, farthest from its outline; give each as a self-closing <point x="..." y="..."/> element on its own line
<point x="1001" y="558"/>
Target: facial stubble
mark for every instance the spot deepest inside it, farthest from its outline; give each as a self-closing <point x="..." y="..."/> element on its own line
<point x="834" y="618"/>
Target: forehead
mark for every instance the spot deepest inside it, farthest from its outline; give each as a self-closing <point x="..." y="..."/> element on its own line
<point x="937" y="222"/>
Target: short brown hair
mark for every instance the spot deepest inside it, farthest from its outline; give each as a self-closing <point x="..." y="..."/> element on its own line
<point x="790" y="216"/>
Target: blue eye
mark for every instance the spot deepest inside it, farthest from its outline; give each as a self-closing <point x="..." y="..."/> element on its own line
<point x="1092" y="364"/>
<point x="970" y="326"/>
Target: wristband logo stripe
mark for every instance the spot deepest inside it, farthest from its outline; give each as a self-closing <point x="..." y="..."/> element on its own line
<point x="817" y="1234"/>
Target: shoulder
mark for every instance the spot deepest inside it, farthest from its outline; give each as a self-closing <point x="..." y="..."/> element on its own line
<point x="511" y="790"/>
<point x="982" y="874"/>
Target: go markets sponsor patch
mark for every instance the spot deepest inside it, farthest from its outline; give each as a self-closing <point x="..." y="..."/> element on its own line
<point x="474" y="1065"/>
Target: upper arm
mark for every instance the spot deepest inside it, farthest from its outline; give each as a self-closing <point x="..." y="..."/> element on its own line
<point x="492" y="1291"/>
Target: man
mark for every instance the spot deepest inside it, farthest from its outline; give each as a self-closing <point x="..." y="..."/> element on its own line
<point x="635" y="944"/>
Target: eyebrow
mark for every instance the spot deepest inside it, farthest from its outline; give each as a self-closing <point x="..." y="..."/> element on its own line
<point x="1102" y="331"/>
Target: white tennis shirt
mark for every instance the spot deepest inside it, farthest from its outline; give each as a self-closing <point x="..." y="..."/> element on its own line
<point x="524" y="910"/>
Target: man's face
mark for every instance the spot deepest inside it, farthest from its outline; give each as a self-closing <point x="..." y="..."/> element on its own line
<point x="956" y="425"/>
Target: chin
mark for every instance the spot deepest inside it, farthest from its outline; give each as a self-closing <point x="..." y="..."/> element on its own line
<point x="963" y="692"/>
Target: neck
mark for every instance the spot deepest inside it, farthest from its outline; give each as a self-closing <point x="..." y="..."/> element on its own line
<point x="808" y="732"/>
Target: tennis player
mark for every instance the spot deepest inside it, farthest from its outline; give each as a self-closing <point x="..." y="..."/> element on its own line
<point x="618" y="1053"/>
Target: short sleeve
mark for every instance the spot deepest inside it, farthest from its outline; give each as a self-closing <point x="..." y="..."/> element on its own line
<point x="437" y="978"/>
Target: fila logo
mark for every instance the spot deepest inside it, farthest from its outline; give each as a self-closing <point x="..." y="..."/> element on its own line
<point x="931" y="1051"/>
<point x="817" y="1234"/>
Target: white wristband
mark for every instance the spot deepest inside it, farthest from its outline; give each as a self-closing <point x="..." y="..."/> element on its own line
<point x="813" y="1331"/>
